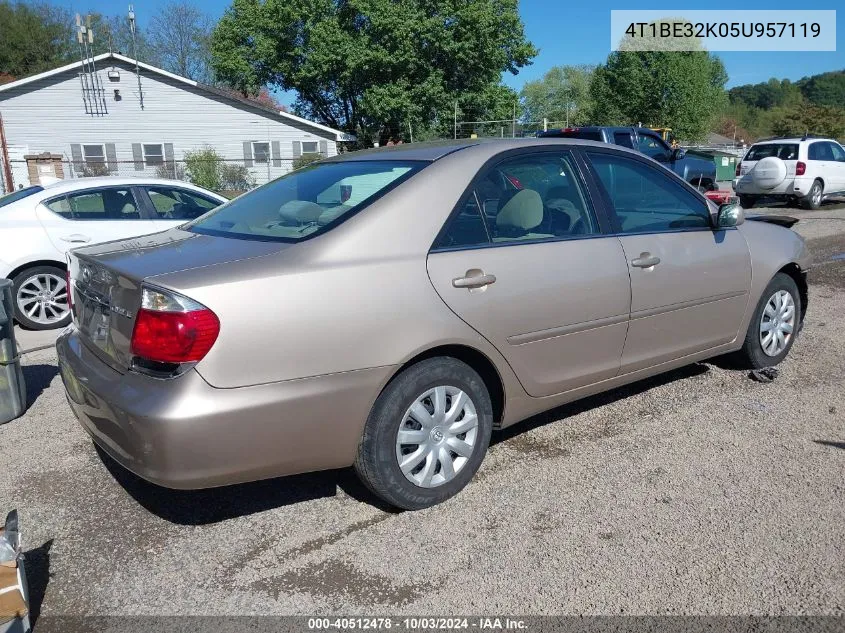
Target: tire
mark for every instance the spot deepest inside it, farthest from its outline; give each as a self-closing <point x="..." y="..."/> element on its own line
<point x="747" y="202"/>
<point x="813" y="199"/>
<point x="753" y="355"/>
<point x="377" y="463"/>
<point x="26" y="283"/>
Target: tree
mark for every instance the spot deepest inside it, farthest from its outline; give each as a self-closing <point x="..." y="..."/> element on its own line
<point x="682" y="90"/>
<point x="563" y="94"/>
<point x="812" y="119"/>
<point x="371" y="67"/>
<point x="33" y="38"/>
<point x="179" y="34"/>
<point x="825" y="89"/>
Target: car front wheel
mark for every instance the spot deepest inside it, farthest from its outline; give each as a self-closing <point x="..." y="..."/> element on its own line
<point x="427" y="434"/>
<point x="774" y="325"/>
<point x="41" y="298"/>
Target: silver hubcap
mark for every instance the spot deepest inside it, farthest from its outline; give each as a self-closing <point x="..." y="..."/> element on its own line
<point x="437" y="436"/>
<point x="777" y="323"/>
<point x="817" y="194"/>
<point x="43" y="299"/>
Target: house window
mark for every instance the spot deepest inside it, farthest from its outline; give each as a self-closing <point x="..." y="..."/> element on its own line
<point x="94" y="154"/>
<point x="310" y="147"/>
<point x="154" y="154"/>
<point x="261" y="152"/>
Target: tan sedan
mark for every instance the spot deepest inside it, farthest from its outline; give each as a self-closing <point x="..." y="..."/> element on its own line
<point x="389" y="309"/>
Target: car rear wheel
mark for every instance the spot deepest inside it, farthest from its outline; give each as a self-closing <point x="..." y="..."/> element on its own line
<point x="774" y="325"/>
<point x="427" y="434"/>
<point x="41" y="299"/>
<point x="813" y="199"/>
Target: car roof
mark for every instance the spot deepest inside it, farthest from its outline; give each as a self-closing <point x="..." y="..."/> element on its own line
<point x="792" y="139"/>
<point x="434" y="150"/>
<point x="73" y="184"/>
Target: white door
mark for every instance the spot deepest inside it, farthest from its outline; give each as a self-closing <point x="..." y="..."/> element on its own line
<point x="90" y="216"/>
<point x="837" y="167"/>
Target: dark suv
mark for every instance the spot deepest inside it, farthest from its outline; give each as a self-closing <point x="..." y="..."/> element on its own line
<point x="697" y="169"/>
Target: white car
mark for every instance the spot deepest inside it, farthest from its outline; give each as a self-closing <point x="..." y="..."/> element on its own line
<point x="38" y="225"/>
<point x="805" y="170"/>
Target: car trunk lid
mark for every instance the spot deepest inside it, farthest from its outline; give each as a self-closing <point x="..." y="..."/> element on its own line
<point x="107" y="278"/>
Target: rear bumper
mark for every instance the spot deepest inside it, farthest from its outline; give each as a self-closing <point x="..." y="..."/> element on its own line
<point x="183" y="433"/>
<point x="797" y="186"/>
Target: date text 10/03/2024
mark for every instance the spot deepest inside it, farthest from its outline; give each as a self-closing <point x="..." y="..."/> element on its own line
<point x="417" y="623"/>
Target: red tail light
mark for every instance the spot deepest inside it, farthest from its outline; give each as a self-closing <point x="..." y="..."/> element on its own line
<point x="800" y="168"/>
<point x="170" y="328"/>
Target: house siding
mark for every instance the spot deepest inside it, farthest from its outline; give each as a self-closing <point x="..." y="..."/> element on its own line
<point x="48" y="115"/>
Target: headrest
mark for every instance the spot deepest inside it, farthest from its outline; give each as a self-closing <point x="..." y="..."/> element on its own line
<point x="301" y="211"/>
<point x="523" y="211"/>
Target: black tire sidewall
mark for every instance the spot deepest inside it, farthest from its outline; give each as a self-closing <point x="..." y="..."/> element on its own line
<point x="377" y="464"/>
<point x="807" y="201"/>
<point x="747" y="202"/>
<point x="753" y="349"/>
<point x="17" y="282"/>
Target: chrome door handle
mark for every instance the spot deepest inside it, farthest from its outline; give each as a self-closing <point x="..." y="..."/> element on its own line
<point x="645" y="260"/>
<point x="76" y="238"/>
<point x="474" y="278"/>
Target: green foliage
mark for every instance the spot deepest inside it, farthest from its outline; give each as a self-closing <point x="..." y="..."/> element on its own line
<point x="372" y="67"/>
<point x="171" y="170"/>
<point x="563" y="94"/>
<point x="812" y="119"/>
<point x="766" y="95"/>
<point x="235" y="177"/>
<point x="202" y="167"/>
<point x="306" y="159"/>
<point x="682" y="90"/>
<point x="33" y="38"/>
<point x="827" y="89"/>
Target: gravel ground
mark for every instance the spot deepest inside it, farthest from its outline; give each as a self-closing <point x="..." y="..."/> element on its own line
<point x="697" y="492"/>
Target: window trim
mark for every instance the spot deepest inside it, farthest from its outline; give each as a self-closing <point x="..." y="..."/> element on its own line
<point x="144" y="154"/>
<point x="255" y="160"/>
<point x="610" y="210"/>
<point x="604" y="223"/>
<point x="85" y="159"/>
<point x="316" y="150"/>
<point x="142" y="211"/>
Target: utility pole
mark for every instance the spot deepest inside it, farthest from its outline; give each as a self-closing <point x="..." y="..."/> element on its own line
<point x="545" y="124"/>
<point x="513" y="121"/>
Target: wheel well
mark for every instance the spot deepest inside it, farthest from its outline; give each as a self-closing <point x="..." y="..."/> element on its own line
<point x="42" y="262"/>
<point x="479" y="362"/>
<point x="800" y="279"/>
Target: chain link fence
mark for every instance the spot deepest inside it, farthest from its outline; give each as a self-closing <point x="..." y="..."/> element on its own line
<point x="222" y="175"/>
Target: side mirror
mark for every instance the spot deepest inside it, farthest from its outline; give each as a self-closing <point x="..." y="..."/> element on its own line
<point x="730" y="214"/>
<point x="678" y="153"/>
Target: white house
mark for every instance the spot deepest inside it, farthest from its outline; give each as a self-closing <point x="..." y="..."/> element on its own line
<point x="106" y="114"/>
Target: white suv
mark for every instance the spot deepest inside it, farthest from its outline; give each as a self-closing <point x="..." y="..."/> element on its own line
<point x="805" y="170"/>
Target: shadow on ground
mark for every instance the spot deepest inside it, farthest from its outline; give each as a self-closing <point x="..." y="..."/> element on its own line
<point x="833" y="444"/>
<point x="37" y="379"/>
<point x="37" y="564"/>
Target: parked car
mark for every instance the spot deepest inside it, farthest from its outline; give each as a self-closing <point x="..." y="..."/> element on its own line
<point x="699" y="170"/>
<point x="803" y="170"/>
<point x="365" y="311"/>
<point x="38" y="225"/>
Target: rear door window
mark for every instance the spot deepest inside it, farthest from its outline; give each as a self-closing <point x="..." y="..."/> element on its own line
<point x="623" y="139"/>
<point x="652" y="147"/>
<point x="97" y="204"/>
<point x="179" y="204"/>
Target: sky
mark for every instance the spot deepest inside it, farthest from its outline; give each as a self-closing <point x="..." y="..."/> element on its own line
<point x="578" y="32"/>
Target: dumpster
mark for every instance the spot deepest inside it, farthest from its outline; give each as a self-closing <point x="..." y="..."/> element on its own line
<point x="12" y="386"/>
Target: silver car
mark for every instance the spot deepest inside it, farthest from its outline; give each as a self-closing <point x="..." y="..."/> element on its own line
<point x="389" y="309"/>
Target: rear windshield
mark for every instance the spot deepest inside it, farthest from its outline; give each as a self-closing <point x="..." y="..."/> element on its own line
<point x="310" y="200"/>
<point x="784" y="151"/>
<point x="14" y="196"/>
